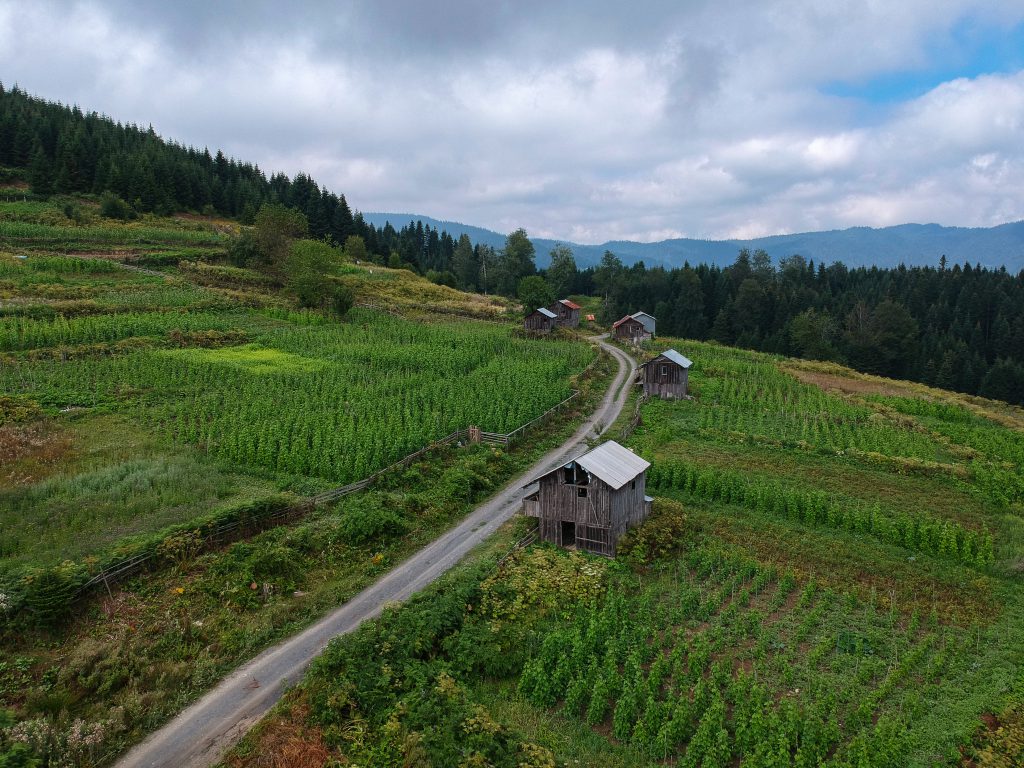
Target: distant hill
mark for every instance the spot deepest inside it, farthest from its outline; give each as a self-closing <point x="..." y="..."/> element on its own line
<point x="910" y="244"/>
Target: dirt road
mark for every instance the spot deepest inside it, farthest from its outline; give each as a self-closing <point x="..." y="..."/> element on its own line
<point x="201" y="734"/>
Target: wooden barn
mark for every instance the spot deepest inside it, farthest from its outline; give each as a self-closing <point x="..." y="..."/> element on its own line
<point x="541" y="320"/>
<point x="568" y="312"/>
<point x="666" y="376"/>
<point x="648" y="322"/>
<point x="629" y="329"/>
<point x="592" y="501"/>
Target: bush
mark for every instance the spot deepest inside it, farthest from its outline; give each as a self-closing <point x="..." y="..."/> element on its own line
<point x="372" y="516"/>
<point x="48" y="595"/>
<point x="244" y="250"/>
<point x="113" y="207"/>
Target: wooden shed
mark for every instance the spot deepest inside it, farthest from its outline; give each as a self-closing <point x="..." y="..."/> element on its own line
<point x="541" y="320"/>
<point x="648" y="322"/>
<point x="592" y="501"/>
<point x="666" y="376"/>
<point x="629" y="329"/>
<point x="568" y="312"/>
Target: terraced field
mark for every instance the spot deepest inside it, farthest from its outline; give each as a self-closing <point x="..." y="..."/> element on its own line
<point x="828" y="579"/>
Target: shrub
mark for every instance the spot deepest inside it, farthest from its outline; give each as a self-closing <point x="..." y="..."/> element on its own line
<point x="370" y="517"/>
<point x="113" y="207"/>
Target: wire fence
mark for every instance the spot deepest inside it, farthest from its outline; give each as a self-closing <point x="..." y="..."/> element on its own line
<point x="636" y="419"/>
<point x="233" y="530"/>
<point x="215" y="534"/>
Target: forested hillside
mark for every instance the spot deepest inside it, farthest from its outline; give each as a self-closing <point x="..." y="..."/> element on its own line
<point x="953" y="326"/>
<point x="57" y="149"/>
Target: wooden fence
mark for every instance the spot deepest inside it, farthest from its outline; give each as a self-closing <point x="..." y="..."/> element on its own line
<point x="236" y="529"/>
<point x="634" y="422"/>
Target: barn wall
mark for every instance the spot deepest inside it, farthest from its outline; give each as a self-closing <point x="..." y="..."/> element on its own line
<point x="671" y="386"/>
<point x="628" y="506"/>
<point x="560" y="502"/>
<point x="537" y="322"/>
<point x="633" y="329"/>
<point x="601" y="517"/>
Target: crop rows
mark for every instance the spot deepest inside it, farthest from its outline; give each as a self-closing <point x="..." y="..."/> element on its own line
<point x="21" y="333"/>
<point x="817" y="508"/>
<point x="69" y="236"/>
<point x="757" y="399"/>
<point x="663" y="670"/>
<point x="336" y="401"/>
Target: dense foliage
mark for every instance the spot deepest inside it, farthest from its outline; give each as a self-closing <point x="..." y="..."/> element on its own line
<point x="827" y="580"/>
<point x="958" y="327"/>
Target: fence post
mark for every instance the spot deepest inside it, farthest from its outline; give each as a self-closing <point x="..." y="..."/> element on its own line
<point x="474" y="434"/>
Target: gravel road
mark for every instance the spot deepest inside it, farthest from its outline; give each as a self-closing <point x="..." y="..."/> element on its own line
<point x="200" y="735"/>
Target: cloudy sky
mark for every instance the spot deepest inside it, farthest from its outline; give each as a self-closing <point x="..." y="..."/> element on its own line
<point x="585" y="121"/>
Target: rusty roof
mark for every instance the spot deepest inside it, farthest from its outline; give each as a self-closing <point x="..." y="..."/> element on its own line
<point x="569" y="304"/>
<point x="617" y="323"/>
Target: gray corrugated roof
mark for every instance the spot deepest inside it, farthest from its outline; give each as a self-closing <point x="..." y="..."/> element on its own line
<point x="610" y="462"/>
<point x="547" y="313"/>
<point x="674" y="356"/>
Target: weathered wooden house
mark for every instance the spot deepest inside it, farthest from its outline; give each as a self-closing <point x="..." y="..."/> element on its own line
<point x="541" y="320"/>
<point x="568" y="312"/>
<point x="666" y="376"/>
<point x="592" y="501"/>
<point x="648" y="322"/>
<point x="629" y="329"/>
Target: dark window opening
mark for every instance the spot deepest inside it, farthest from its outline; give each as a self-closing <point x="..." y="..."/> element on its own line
<point x="632" y="485"/>
<point x="581" y="493"/>
<point x="570" y="475"/>
<point x="664" y="370"/>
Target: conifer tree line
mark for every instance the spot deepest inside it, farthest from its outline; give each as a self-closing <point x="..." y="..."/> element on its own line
<point x="59" y="149"/>
<point x="958" y="327"/>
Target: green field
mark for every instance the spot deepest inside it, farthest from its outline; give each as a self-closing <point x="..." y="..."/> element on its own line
<point x="826" y="580"/>
<point x="137" y="406"/>
<point x="218" y="390"/>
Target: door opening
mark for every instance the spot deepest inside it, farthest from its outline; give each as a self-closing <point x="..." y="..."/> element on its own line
<point x="568" y="534"/>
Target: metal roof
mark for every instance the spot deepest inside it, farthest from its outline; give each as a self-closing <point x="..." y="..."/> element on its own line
<point x="617" y="323"/>
<point x="547" y="312"/>
<point x="609" y="462"/>
<point x="613" y="464"/>
<point x="569" y="304"/>
<point x="636" y="315"/>
<point x="674" y="356"/>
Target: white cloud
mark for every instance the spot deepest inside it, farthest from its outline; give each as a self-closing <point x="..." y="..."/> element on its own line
<point x="696" y="119"/>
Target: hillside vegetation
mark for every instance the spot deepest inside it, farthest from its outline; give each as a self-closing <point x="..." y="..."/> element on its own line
<point x="832" y="576"/>
<point x="150" y="391"/>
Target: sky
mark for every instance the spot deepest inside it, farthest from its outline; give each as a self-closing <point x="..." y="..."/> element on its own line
<point x="586" y="121"/>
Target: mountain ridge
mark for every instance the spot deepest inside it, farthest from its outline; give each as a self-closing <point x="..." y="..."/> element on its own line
<point x="910" y="244"/>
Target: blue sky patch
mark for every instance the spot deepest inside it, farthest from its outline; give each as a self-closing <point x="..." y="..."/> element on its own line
<point x="966" y="50"/>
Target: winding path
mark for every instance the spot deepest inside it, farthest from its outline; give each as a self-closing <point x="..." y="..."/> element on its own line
<point x="200" y="735"/>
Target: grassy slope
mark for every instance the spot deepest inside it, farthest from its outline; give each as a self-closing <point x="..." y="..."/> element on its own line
<point x="110" y="368"/>
<point x="215" y="391"/>
<point x="901" y="648"/>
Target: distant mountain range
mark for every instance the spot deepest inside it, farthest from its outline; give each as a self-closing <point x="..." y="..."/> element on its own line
<point x="910" y="244"/>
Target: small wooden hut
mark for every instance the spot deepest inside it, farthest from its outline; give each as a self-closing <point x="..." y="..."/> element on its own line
<point x="592" y="501"/>
<point x="541" y="320"/>
<point x="568" y="312"/>
<point x="666" y="376"/>
<point x="629" y="329"/>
